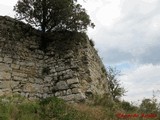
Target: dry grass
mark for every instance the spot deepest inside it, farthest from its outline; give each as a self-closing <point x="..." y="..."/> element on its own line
<point x="94" y="112"/>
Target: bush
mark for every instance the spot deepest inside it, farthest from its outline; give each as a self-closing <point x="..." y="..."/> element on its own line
<point x="92" y="43"/>
<point x="102" y="108"/>
<point x="128" y="106"/>
<point x="46" y="109"/>
<point x="57" y="108"/>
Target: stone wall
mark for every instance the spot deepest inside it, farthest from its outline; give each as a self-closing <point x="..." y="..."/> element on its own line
<point x="70" y="68"/>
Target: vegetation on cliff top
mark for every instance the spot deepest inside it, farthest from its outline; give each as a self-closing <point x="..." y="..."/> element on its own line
<point x="53" y="15"/>
<point x="50" y="16"/>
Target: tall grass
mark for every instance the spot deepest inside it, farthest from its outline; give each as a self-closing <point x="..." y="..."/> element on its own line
<point x="101" y="108"/>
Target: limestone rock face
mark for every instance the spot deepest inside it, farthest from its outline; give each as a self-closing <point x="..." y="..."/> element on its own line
<point x="70" y="68"/>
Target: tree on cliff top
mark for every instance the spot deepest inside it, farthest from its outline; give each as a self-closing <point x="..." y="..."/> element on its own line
<point x="53" y="15"/>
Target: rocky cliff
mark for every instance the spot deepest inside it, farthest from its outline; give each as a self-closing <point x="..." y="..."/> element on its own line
<point x="70" y="68"/>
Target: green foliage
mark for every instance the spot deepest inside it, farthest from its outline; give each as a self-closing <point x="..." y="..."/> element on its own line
<point x="53" y="15"/>
<point x="110" y="107"/>
<point x="92" y="42"/>
<point x="46" y="109"/>
<point x="149" y="106"/>
<point x="50" y="16"/>
<point x="127" y="106"/>
<point x="56" y="109"/>
<point x="16" y="107"/>
<point x="104" y="100"/>
<point x="103" y="69"/>
<point x="52" y="107"/>
<point x="114" y="85"/>
<point x="28" y="111"/>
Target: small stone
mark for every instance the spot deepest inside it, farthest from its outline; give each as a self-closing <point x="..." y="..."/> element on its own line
<point x="72" y="81"/>
<point x="74" y="86"/>
<point x="5" y="85"/>
<point x="17" y="90"/>
<point x="40" y="56"/>
<point x="55" y="78"/>
<point x="76" y="90"/>
<point x="14" y="84"/>
<point x="24" y="68"/>
<point x="58" y="69"/>
<point x="27" y="64"/>
<point x="19" y="74"/>
<point x="45" y="89"/>
<point x="31" y="80"/>
<point x="33" y="88"/>
<point x="23" y="94"/>
<point x="80" y="97"/>
<point x="55" y="74"/>
<point x="4" y="67"/>
<point x="64" y="92"/>
<point x="5" y="75"/>
<point x="62" y="85"/>
<point x="66" y="76"/>
<point x="67" y="98"/>
<point x="69" y="92"/>
<point x="38" y="81"/>
<point x="1" y="59"/>
<point x="60" y="77"/>
<point x="7" y="60"/>
<point x="49" y="79"/>
<point x="45" y="95"/>
<point x="52" y="70"/>
<point x="58" y="94"/>
<point x="39" y="95"/>
<point x="14" y="66"/>
<point x="16" y="78"/>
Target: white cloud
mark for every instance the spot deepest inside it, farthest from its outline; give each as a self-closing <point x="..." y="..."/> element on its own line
<point x="150" y="1"/>
<point x="6" y="7"/>
<point x="155" y="24"/>
<point x="131" y="39"/>
<point x="109" y="13"/>
<point x="141" y="81"/>
<point x="8" y="2"/>
<point x="6" y="10"/>
<point x="134" y="37"/>
<point x="91" y="6"/>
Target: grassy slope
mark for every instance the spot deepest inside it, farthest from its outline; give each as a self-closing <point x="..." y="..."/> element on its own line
<point x="18" y="108"/>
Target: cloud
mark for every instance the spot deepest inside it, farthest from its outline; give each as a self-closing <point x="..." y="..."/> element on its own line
<point x="6" y="7"/>
<point x="132" y="42"/>
<point x="109" y="13"/>
<point x="8" y="2"/>
<point x="134" y="37"/>
<point x="141" y="81"/>
<point x="6" y="10"/>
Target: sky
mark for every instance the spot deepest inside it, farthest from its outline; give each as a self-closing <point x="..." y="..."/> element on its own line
<point x="126" y="37"/>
